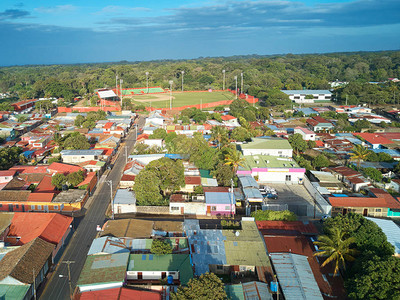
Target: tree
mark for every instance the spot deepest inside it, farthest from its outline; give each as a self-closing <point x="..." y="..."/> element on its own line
<point x="379" y="279"/>
<point x="271" y="215"/>
<point x="207" y="286"/>
<point x="336" y="248"/>
<point x="359" y="154"/>
<point x="374" y="174"/>
<point x="75" y="178"/>
<point x="241" y="134"/>
<point x="58" y="180"/>
<point x="234" y="159"/>
<point x="159" y="133"/>
<point x="170" y="174"/>
<point x="79" y="120"/>
<point x="159" y="247"/>
<point x="219" y="134"/>
<point x="224" y="174"/>
<point x="320" y="161"/>
<point x="76" y="141"/>
<point x="54" y="159"/>
<point x="297" y="142"/>
<point x="9" y="156"/>
<point x="147" y="188"/>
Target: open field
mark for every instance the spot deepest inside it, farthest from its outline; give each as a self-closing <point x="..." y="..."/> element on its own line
<point x="181" y="99"/>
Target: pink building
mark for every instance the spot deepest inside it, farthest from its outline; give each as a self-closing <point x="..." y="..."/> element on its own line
<point x="220" y="203"/>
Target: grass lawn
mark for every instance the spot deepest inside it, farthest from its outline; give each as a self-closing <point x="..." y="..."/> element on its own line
<point x="182" y="99"/>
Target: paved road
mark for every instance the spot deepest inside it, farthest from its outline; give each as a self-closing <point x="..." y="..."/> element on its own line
<point x="57" y="287"/>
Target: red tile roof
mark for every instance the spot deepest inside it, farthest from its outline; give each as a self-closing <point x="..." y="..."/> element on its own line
<point x="45" y="185"/>
<point x="29" y="169"/>
<point x="193" y="180"/>
<point x="216" y="189"/>
<point x="119" y="294"/>
<point x="88" y="178"/>
<point x="7" y="173"/>
<point x="373" y="138"/>
<point x="108" y="125"/>
<point x="288" y="225"/>
<point x="319" y="143"/>
<point x="228" y="117"/>
<point x="320" y="119"/>
<point x="126" y="177"/>
<point x="41" y="197"/>
<point x="65" y="169"/>
<point x="50" y="227"/>
<point x="365" y="202"/>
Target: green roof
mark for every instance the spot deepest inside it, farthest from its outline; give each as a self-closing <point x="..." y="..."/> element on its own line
<point x="166" y="262"/>
<point x="104" y="269"/>
<point x="234" y="291"/>
<point x="100" y="163"/>
<point x="13" y="292"/>
<point x="205" y="173"/>
<point x="267" y="143"/>
<point x="267" y="161"/>
<point x="247" y="248"/>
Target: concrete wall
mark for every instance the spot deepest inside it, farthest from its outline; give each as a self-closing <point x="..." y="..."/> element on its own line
<point x="157" y="210"/>
<point x="322" y="204"/>
<point x="273" y="152"/>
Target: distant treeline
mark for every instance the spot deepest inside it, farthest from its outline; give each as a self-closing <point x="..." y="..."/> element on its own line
<point x="261" y="75"/>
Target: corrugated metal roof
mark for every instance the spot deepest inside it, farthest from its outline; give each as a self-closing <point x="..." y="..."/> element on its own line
<point x="306" y="92"/>
<point x="247" y="181"/>
<point x="218" y="198"/>
<point x="109" y="245"/>
<point x="252" y="193"/>
<point x="391" y="230"/>
<point x="256" y="290"/>
<point x="124" y="196"/>
<point x="81" y="152"/>
<point x="11" y="292"/>
<point x="295" y="276"/>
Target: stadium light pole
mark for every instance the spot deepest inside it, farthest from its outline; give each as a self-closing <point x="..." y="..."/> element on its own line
<point x="120" y="83"/>
<point x="183" y="72"/>
<point x="147" y="79"/>
<point x="236" y="87"/>
<point x="170" y="94"/>
<point x="223" y="80"/>
<point x="241" y="83"/>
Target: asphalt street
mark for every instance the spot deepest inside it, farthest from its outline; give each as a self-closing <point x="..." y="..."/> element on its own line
<point x="58" y="287"/>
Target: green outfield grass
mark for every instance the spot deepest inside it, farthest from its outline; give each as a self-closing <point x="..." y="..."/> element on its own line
<point x="182" y="99"/>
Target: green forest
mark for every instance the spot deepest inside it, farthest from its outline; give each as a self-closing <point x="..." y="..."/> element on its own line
<point x="262" y="76"/>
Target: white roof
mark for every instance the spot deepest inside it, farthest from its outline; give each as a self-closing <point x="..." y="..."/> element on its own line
<point x="107" y="94"/>
<point x="391" y="230"/>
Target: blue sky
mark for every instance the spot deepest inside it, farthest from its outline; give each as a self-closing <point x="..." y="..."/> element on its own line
<point x="55" y="32"/>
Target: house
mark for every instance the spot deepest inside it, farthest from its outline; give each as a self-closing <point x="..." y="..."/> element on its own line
<point x="108" y="245"/>
<point x="103" y="271"/>
<point x="350" y="177"/>
<point x="318" y="123"/>
<point x="121" y="293"/>
<point x="307" y="134"/>
<point x="374" y="140"/>
<point x="267" y="146"/>
<point x="219" y="204"/>
<point x="6" y="176"/>
<point x="230" y="121"/>
<point x="269" y="169"/>
<point x="93" y="166"/>
<point x="191" y="182"/>
<point x="78" y="156"/>
<point x="53" y="228"/>
<point x="124" y="202"/>
<point x="24" y="105"/>
<point x="239" y="251"/>
<point x="149" y="268"/>
<point x="26" y="266"/>
<point x="180" y="204"/>
<point x="308" y="96"/>
<point x="60" y="168"/>
<point x="253" y="290"/>
<point x="378" y="204"/>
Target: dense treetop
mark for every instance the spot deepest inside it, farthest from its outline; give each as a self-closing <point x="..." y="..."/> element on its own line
<point x="261" y="74"/>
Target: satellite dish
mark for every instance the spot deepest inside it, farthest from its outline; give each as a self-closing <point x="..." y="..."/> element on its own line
<point x="237" y="233"/>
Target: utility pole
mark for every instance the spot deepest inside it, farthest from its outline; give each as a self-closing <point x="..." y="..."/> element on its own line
<point x="236" y="87"/>
<point x="126" y="154"/>
<point x="183" y="72"/>
<point x="223" y="80"/>
<point x="109" y="182"/>
<point x="120" y="82"/>
<point x="68" y="262"/>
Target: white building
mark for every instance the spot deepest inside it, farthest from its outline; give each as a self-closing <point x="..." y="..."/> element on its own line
<point x="267" y="146"/>
<point x="78" y="156"/>
<point x="308" y="96"/>
<point x="307" y="134"/>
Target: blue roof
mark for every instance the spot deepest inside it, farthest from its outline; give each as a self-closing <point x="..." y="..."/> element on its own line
<point x="377" y="165"/>
<point x="252" y="193"/>
<point x="307" y="111"/>
<point x="81" y="152"/>
<point x="218" y="198"/>
<point x="391" y="230"/>
<point x="247" y="181"/>
<point x="295" y="276"/>
<point x="306" y="92"/>
<point x="176" y="156"/>
<point x="392" y="152"/>
<point x="27" y="154"/>
<point x="208" y="245"/>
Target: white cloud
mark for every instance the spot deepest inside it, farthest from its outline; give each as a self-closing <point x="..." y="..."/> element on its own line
<point x="56" y="9"/>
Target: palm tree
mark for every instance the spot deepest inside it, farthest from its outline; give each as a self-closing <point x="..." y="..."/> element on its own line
<point x="234" y="159"/>
<point x="359" y="153"/>
<point x="219" y="133"/>
<point x="336" y="248"/>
